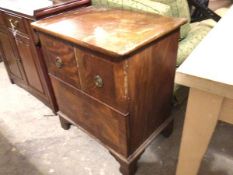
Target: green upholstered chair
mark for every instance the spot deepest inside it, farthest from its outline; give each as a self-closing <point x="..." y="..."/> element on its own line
<point x="190" y="34"/>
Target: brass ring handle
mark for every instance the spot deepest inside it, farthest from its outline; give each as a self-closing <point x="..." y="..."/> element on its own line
<point x="98" y="81"/>
<point x="13" y="23"/>
<point x="59" y="62"/>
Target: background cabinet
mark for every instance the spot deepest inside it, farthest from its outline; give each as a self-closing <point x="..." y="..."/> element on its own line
<point x="22" y="57"/>
<point x="20" y="47"/>
<point x="10" y="57"/>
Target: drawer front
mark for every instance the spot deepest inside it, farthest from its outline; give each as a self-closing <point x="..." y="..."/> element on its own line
<point x="60" y="60"/>
<point x="96" y="118"/>
<point x="15" y="23"/>
<point x="106" y="81"/>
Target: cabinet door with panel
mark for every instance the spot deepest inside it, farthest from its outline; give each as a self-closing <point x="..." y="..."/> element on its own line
<point x="1" y="54"/>
<point x="10" y="56"/>
<point x="20" y="47"/>
<point x="25" y="51"/>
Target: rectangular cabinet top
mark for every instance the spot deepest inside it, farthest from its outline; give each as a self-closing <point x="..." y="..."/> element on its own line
<point x="113" y="32"/>
<point x="32" y="8"/>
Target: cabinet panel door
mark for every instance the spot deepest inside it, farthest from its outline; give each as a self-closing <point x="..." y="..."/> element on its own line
<point x="11" y="59"/>
<point x="27" y="58"/>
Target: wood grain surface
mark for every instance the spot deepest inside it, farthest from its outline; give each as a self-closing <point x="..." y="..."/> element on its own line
<point x="113" y="32"/>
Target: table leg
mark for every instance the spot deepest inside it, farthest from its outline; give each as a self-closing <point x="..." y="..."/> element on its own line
<point x="200" y="121"/>
<point x="226" y="114"/>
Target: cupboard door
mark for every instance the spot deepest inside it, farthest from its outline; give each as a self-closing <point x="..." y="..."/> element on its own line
<point x="15" y="23"/>
<point x="26" y="54"/>
<point x="11" y="60"/>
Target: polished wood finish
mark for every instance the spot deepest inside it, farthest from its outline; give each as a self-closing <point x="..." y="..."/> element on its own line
<point x="9" y="55"/>
<point x="92" y="116"/>
<point x="19" y="45"/>
<point x="125" y="64"/>
<point x="60" y="5"/>
<point x="127" y="167"/>
<point x="15" y="23"/>
<point x="55" y="50"/>
<point x="112" y="76"/>
<point x="38" y="9"/>
<point x="152" y="73"/>
<point x="117" y="39"/>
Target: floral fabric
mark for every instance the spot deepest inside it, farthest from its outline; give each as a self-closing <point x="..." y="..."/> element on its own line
<point x="180" y="9"/>
<point x="148" y="6"/>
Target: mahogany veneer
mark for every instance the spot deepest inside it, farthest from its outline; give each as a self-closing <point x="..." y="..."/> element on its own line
<point x="112" y="72"/>
<point x="19" y="45"/>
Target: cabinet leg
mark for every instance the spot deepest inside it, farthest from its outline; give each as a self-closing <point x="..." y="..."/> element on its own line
<point x="169" y="129"/>
<point x="127" y="167"/>
<point x="12" y="81"/>
<point x="64" y="123"/>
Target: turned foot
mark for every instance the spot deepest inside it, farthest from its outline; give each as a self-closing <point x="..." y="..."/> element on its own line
<point x="168" y="130"/>
<point x="64" y="123"/>
<point x="127" y="167"/>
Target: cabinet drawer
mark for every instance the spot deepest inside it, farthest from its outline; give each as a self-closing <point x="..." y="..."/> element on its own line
<point x="60" y="60"/>
<point x="99" y="120"/>
<point x="15" y="23"/>
<point x="106" y="81"/>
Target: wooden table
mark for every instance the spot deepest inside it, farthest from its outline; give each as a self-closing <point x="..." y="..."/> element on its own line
<point x="209" y="73"/>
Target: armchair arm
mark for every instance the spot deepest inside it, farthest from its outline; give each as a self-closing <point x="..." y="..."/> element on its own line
<point x="137" y="5"/>
<point x="149" y="7"/>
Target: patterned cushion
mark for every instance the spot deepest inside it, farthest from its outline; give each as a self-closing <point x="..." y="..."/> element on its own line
<point x="186" y="46"/>
<point x="179" y="8"/>
<point x="197" y="33"/>
<point x="136" y="5"/>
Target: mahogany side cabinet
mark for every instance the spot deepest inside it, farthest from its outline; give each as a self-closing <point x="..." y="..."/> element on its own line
<point x="112" y="72"/>
<point x="19" y="45"/>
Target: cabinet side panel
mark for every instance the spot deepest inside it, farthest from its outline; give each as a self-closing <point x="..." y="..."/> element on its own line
<point x="151" y="80"/>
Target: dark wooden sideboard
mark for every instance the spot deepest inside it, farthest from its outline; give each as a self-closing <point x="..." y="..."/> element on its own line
<point x="112" y="72"/>
<point x="19" y="45"/>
